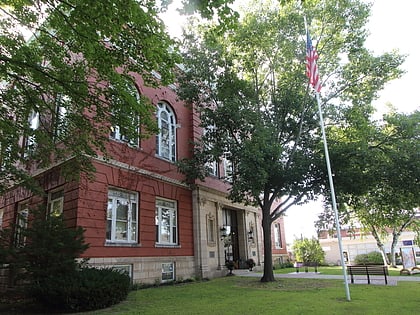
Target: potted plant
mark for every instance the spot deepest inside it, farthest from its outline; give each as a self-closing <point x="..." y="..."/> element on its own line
<point x="251" y="263"/>
<point x="230" y="264"/>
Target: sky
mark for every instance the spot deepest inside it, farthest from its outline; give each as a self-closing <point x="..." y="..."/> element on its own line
<point x="392" y="25"/>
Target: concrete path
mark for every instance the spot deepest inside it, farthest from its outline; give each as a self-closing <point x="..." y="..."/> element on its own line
<point x="378" y="280"/>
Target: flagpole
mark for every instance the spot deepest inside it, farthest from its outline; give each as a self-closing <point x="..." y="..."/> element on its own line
<point x="334" y="203"/>
<point x="312" y="73"/>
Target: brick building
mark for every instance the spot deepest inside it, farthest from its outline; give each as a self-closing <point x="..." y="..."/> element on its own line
<point x="137" y="212"/>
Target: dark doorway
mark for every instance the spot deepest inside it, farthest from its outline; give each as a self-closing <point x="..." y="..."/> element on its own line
<point x="231" y="242"/>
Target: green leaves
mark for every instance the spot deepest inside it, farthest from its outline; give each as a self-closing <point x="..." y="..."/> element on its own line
<point x="76" y="49"/>
<point x="377" y="171"/>
<point x="249" y="85"/>
<point x="308" y="251"/>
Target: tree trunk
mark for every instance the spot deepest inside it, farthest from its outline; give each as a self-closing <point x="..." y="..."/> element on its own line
<point x="395" y="237"/>
<point x="268" y="275"/>
<point x="381" y="246"/>
<point x="396" y="233"/>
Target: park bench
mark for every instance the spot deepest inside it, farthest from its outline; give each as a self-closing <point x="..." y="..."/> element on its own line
<point x="367" y="270"/>
<point x="299" y="265"/>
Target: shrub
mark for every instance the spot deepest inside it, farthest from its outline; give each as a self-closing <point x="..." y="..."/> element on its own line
<point x="6" y="250"/>
<point x="286" y="265"/>
<point x="250" y="263"/>
<point x="372" y="258"/>
<point x="308" y="250"/>
<point x="51" y="248"/>
<point x="83" y="290"/>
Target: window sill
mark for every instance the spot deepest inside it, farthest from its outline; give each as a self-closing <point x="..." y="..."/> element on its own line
<point x="121" y="244"/>
<point x="157" y="245"/>
<point x="165" y="159"/>
<point x="133" y="146"/>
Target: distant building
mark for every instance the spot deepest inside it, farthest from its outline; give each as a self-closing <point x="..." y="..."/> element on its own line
<point x="354" y="243"/>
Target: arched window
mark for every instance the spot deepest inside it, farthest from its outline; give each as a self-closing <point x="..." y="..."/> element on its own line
<point x="166" y="138"/>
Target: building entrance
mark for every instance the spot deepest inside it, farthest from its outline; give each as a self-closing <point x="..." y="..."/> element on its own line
<point x="231" y="238"/>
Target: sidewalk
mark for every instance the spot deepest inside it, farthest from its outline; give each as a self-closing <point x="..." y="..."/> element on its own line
<point x="377" y="280"/>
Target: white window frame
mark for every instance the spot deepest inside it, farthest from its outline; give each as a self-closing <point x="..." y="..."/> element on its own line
<point x="277" y="236"/>
<point x="29" y="140"/>
<point x="56" y="202"/>
<point x="166" y="234"/>
<point x="213" y="168"/>
<point x="168" y="272"/>
<point x="120" y="230"/>
<point x="166" y="138"/>
<point x="228" y="168"/>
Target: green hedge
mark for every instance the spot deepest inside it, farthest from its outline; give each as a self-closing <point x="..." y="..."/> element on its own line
<point x="84" y="290"/>
<point x="372" y="258"/>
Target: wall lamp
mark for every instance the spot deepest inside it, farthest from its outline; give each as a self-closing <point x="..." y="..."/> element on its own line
<point x="223" y="232"/>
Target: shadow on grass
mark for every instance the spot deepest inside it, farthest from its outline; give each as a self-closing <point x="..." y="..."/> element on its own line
<point x="285" y="284"/>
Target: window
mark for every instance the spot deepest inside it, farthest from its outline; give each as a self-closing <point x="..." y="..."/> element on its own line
<point x="166" y="222"/>
<point x="168" y="273"/>
<point x="122" y="216"/>
<point x="55" y="203"/>
<point x="21" y="225"/>
<point x="212" y="168"/>
<point x="30" y="141"/>
<point x="166" y="138"/>
<point x="127" y="269"/>
<point x="131" y="121"/>
<point x="60" y="121"/>
<point x="407" y="242"/>
<point x="277" y="236"/>
<point x="228" y="166"/>
<point x="120" y="133"/>
<point x="60" y="116"/>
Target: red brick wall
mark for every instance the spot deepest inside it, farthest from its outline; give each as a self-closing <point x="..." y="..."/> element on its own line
<point x="92" y="207"/>
<point x="50" y="180"/>
<point x="85" y="205"/>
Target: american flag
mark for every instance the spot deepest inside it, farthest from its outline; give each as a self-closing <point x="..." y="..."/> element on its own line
<point x="311" y="67"/>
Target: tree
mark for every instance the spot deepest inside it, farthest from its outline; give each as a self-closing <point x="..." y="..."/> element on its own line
<point x="378" y="179"/>
<point x="51" y="248"/>
<point x="308" y="251"/>
<point x="255" y="105"/>
<point x="64" y="71"/>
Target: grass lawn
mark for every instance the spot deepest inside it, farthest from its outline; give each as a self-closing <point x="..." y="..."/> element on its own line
<point x="246" y="295"/>
<point x="243" y="295"/>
